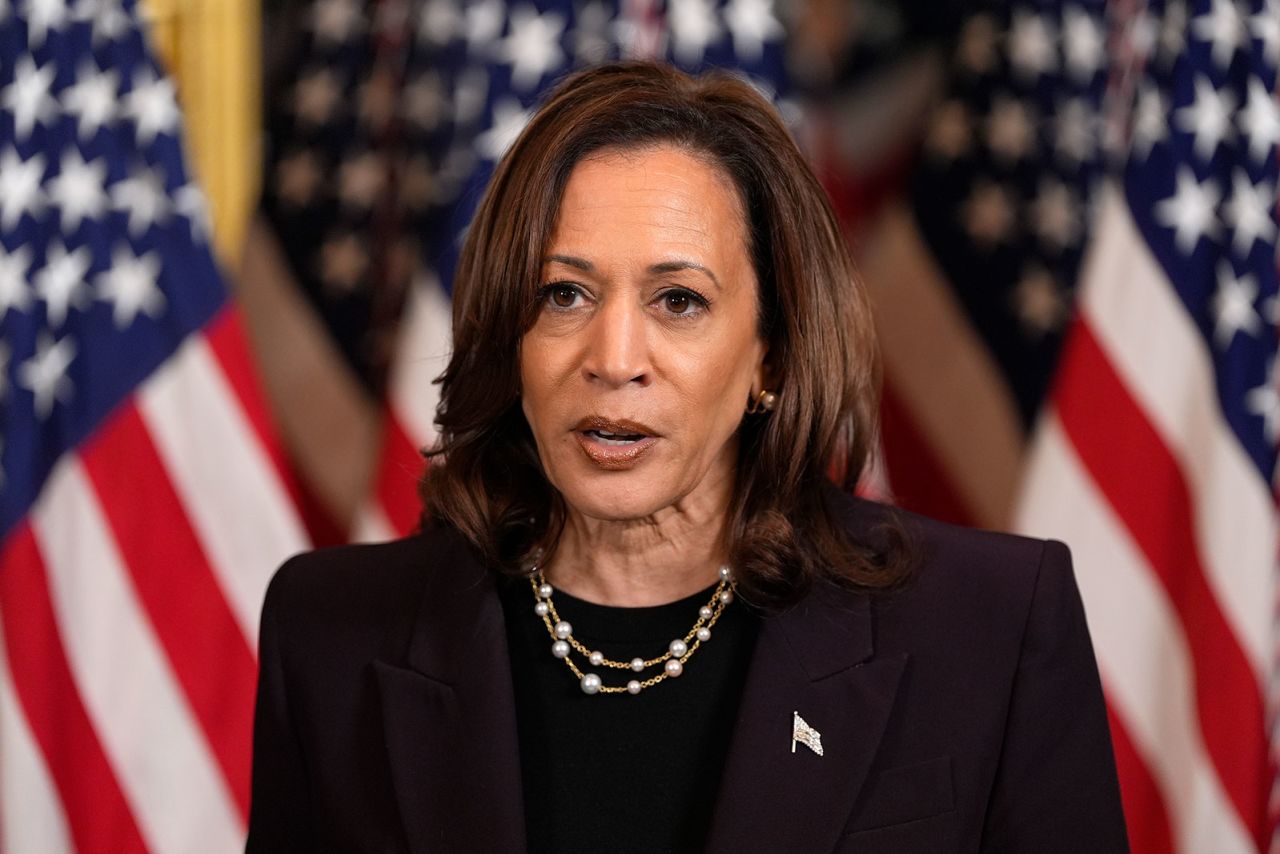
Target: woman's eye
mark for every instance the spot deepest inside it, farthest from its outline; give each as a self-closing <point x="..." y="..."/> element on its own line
<point x="678" y="303"/>
<point x="563" y="296"/>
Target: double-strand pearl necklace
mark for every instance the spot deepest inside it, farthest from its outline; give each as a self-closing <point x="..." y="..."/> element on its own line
<point x="678" y="653"/>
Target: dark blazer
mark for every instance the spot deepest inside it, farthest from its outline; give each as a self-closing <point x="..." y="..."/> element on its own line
<point x="962" y="713"/>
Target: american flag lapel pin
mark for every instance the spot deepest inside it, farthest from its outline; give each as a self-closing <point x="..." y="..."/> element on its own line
<point x="805" y="734"/>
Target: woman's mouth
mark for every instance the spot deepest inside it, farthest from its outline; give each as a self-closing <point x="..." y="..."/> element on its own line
<point x="614" y="445"/>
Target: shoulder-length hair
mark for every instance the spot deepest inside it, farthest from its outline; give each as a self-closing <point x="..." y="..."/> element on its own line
<point x="487" y="481"/>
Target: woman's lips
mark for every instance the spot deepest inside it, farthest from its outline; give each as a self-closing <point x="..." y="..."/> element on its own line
<point x="614" y="454"/>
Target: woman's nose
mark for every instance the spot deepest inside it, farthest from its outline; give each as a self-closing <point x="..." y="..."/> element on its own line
<point x="617" y="348"/>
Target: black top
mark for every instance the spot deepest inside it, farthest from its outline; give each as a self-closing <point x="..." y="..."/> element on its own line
<point x="623" y="772"/>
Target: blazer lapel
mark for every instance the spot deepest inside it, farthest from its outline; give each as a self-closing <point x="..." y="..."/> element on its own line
<point x="815" y="660"/>
<point x="449" y="714"/>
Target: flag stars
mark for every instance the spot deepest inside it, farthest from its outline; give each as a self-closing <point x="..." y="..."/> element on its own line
<point x="1083" y="44"/>
<point x="45" y="373"/>
<point x="1040" y="303"/>
<point x="950" y="131"/>
<point x="483" y="24"/>
<point x="1232" y="306"/>
<point x="316" y="96"/>
<point x="1032" y="46"/>
<point x="1248" y="212"/>
<point x="298" y="175"/>
<point x="1208" y="117"/>
<point x="15" y="293"/>
<point x="43" y="17"/>
<point x="1150" y="122"/>
<point x="1190" y="210"/>
<point x="109" y="19"/>
<point x="439" y="21"/>
<point x="1076" y="132"/>
<point x="693" y="28"/>
<point x="78" y="190"/>
<point x="131" y="286"/>
<point x="361" y="180"/>
<point x="1265" y="27"/>
<point x="377" y="101"/>
<point x="142" y="197"/>
<point x="153" y="106"/>
<point x="60" y="283"/>
<point x="91" y="99"/>
<point x="509" y="119"/>
<point x="1173" y="32"/>
<point x="20" y="189"/>
<point x="189" y="202"/>
<point x="423" y="101"/>
<point x="1264" y="401"/>
<point x="335" y="21"/>
<point x="28" y="96"/>
<point x="591" y="34"/>
<point x="1011" y="131"/>
<point x="752" y="25"/>
<point x="976" y="50"/>
<point x="988" y="215"/>
<point x="1223" y="28"/>
<point x="1055" y="215"/>
<point x="532" y="46"/>
<point x="343" y="263"/>
<point x="1260" y="120"/>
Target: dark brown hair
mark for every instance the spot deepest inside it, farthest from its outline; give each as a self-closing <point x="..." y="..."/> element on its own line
<point x="487" y="481"/>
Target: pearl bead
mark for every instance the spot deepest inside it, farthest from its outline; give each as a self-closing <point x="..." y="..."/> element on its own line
<point x="590" y="683"/>
<point x="705" y="612"/>
<point x="633" y="687"/>
<point x="678" y="647"/>
<point x="563" y="629"/>
<point x="637" y="664"/>
<point x="704" y="634"/>
<point x="673" y="667"/>
<point x="541" y="609"/>
<point x="596" y="658"/>
<point x="544" y="590"/>
<point x="726" y="597"/>
<point x="560" y="649"/>
<point x="724" y="572"/>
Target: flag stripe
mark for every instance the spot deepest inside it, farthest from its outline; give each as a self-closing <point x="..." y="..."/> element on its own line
<point x="920" y="481"/>
<point x="1139" y="794"/>
<point x="1160" y="356"/>
<point x="1121" y="592"/>
<point x="31" y="816"/>
<point x="211" y="452"/>
<point x="941" y="370"/>
<point x="173" y="784"/>
<point x="400" y="468"/>
<point x="178" y="589"/>
<point x="1144" y="485"/>
<point x="98" y="816"/>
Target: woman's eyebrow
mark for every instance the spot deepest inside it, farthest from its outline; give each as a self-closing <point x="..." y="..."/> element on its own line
<point x="676" y="266"/>
<point x="579" y="263"/>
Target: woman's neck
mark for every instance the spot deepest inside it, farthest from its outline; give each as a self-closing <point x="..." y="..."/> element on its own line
<point x="636" y="562"/>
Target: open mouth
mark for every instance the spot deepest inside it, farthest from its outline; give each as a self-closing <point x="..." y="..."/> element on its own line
<point x="614" y="444"/>
<point x="619" y="439"/>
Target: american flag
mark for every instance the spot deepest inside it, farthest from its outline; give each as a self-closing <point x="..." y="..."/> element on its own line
<point x="486" y="65"/>
<point x="142" y="507"/>
<point x="1156" y="459"/>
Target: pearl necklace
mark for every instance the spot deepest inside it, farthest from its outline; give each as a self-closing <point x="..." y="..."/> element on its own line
<point x="679" y="651"/>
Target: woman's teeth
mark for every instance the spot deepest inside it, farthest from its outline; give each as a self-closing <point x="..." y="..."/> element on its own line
<point x="614" y="438"/>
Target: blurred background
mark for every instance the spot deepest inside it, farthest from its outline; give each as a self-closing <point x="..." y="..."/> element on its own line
<point x="227" y="231"/>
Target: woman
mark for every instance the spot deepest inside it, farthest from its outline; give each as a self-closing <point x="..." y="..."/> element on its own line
<point x="638" y="616"/>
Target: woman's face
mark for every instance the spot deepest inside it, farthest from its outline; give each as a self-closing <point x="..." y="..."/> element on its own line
<point x="636" y="373"/>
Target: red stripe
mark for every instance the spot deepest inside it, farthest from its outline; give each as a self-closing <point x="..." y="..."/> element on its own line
<point x="1144" y="810"/>
<point x="918" y="480"/>
<point x="1143" y="483"/>
<point x="399" y="472"/>
<point x="230" y="347"/>
<point x="97" y="814"/>
<point x="177" y="586"/>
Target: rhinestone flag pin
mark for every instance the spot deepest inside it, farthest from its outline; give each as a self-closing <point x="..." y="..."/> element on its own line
<point x="805" y="734"/>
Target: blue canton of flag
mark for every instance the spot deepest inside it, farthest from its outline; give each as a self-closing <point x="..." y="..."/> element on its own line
<point x="1201" y="182"/>
<point x="104" y="262"/>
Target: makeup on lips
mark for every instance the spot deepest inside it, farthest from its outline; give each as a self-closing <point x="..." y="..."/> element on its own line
<point x="614" y="444"/>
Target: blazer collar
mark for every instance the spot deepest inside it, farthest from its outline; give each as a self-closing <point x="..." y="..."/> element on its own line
<point x="449" y="714"/>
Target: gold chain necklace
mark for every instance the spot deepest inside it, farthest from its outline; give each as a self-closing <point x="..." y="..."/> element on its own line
<point x="679" y="651"/>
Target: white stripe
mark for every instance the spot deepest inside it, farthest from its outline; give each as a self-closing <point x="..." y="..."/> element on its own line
<point x="169" y="777"/>
<point x="1159" y="354"/>
<point x="423" y="354"/>
<point x="229" y="488"/>
<point x="942" y="371"/>
<point x="31" y="814"/>
<point x="1142" y="649"/>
